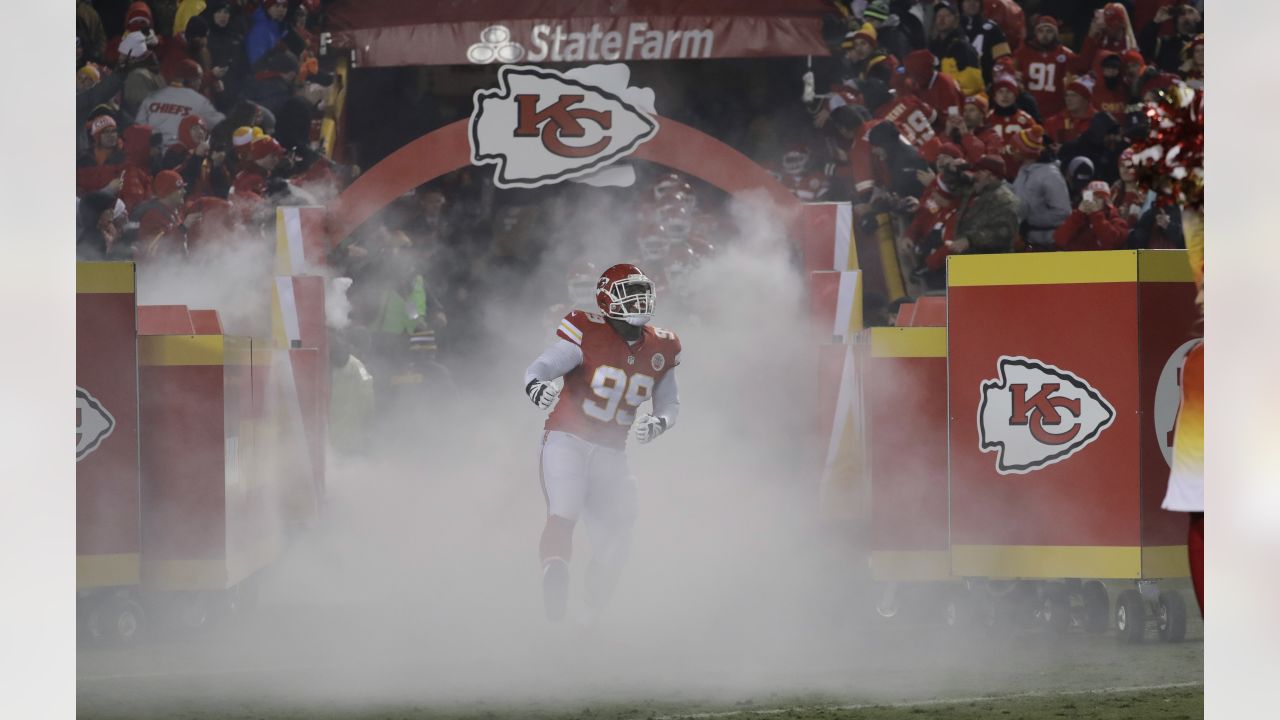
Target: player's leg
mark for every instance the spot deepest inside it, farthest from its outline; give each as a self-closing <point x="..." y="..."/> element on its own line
<point x="610" y="516"/>
<point x="563" y="467"/>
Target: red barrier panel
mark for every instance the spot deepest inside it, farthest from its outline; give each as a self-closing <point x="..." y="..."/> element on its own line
<point x="108" y="533"/>
<point x="1052" y="379"/>
<point x="905" y="381"/>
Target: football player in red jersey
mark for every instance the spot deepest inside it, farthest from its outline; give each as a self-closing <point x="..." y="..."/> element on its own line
<point x="612" y="363"/>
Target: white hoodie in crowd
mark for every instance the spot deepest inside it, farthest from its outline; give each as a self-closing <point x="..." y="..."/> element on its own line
<point x="164" y="109"/>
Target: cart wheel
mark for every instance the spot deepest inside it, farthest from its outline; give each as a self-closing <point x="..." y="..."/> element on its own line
<point x="116" y="619"/>
<point x="1131" y="617"/>
<point x="1055" y="611"/>
<point x="1097" y="607"/>
<point x="1171" y="616"/>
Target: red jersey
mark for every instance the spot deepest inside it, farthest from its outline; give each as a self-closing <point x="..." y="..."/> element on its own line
<point x="1045" y="73"/>
<point x="1065" y="127"/>
<point x="1005" y="128"/>
<point x="913" y="118"/>
<point x="600" y="396"/>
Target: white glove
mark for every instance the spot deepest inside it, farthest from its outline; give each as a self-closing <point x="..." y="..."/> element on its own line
<point x="541" y="393"/>
<point x="808" y="94"/>
<point x="649" y="427"/>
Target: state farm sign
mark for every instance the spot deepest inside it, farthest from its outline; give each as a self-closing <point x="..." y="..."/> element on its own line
<point x="542" y="126"/>
<point x="557" y="43"/>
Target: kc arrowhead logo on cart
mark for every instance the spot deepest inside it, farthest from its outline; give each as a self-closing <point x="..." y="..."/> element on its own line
<point x="543" y="126"/>
<point x="1034" y="415"/>
<point x="93" y="423"/>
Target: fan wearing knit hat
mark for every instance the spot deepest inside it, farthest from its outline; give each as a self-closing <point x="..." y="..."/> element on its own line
<point x="1095" y="224"/>
<point x="897" y="34"/>
<point x="265" y="155"/>
<point x="162" y="221"/>
<point x="864" y="58"/>
<point x="988" y="218"/>
<point x="1069" y="124"/>
<point x="1006" y="118"/>
<point x="1044" y="200"/>
<point x="1047" y="65"/>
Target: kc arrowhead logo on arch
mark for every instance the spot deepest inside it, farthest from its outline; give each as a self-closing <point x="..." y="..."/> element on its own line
<point x="542" y="126"/>
<point x="1034" y="415"/>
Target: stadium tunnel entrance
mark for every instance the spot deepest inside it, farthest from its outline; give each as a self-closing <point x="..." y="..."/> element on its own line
<point x="444" y="150"/>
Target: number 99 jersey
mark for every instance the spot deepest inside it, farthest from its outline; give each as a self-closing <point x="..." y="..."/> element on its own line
<point x="600" y="397"/>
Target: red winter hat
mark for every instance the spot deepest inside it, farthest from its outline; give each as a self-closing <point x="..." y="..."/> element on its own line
<point x="1132" y="57"/>
<point x="139" y="15"/>
<point x="1029" y="141"/>
<point x="166" y="182"/>
<point x="185" y="127"/>
<point x="1047" y="20"/>
<point x="265" y="147"/>
<point x="1004" y="81"/>
<point x="1081" y="88"/>
<point x="991" y="163"/>
<point x="187" y="71"/>
<point x="919" y="66"/>
<point x="978" y="101"/>
<point x="99" y="124"/>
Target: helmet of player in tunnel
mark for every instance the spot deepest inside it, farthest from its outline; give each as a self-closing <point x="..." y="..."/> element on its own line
<point x="675" y="220"/>
<point x="582" y="283"/>
<point x="796" y="159"/>
<point x="672" y="185"/>
<point x="653" y="242"/>
<point x="625" y="293"/>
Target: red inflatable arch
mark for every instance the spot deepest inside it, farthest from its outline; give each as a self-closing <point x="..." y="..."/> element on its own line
<point x="442" y="151"/>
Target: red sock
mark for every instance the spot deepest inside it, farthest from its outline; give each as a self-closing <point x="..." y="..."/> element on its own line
<point x="1195" y="553"/>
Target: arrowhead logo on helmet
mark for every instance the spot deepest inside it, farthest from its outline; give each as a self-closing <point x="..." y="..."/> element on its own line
<point x="93" y="423"/>
<point x="542" y="126"/>
<point x="1035" y="414"/>
<point x="625" y="293"/>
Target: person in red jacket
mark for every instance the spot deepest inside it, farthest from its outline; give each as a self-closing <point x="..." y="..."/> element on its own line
<point x="936" y="90"/>
<point x="1110" y="31"/>
<point x="1070" y="124"/>
<point x="1110" y="94"/>
<point x="1094" y="224"/>
<point x="162" y="221"/>
<point x="1047" y="65"/>
<point x="264" y="155"/>
<point x="138" y="149"/>
<point x="1006" y="120"/>
<point x="100" y="165"/>
<point x="968" y="129"/>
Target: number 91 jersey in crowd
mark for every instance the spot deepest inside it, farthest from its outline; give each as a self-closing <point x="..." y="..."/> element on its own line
<point x="600" y="396"/>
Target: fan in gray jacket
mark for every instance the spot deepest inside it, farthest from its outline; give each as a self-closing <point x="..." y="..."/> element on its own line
<point x="1043" y="200"/>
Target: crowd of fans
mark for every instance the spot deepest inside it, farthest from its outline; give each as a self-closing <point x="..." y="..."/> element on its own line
<point x="195" y="128"/>
<point x="968" y="127"/>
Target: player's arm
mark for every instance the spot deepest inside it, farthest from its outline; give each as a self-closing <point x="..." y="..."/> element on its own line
<point x="562" y="356"/>
<point x="666" y="408"/>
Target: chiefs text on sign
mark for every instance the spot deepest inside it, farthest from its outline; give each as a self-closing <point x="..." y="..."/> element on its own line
<point x="542" y="126"/>
<point x="1034" y="414"/>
